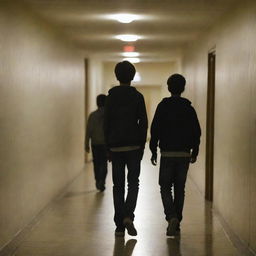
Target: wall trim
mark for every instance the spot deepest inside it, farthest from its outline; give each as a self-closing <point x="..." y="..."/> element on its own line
<point x="241" y="246"/>
<point x="10" y="247"/>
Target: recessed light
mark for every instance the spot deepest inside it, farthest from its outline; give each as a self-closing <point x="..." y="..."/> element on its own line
<point x="133" y="60"/>
<point x="137" y="77"/>
<point x="125" y="17"/>
<point x="131" y="54"/>
<point x="128" y="38"/>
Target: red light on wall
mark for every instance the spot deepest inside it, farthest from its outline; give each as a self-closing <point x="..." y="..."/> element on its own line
<point x="129" y="48"/>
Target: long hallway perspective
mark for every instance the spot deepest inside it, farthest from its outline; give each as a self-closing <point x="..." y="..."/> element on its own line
<point x="81" y="223"/>
<point x="56" y="56"/>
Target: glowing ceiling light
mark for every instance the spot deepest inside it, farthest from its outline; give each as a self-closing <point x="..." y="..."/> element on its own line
<point x="128" y="38"/>
<point x="137" y="77"/>
<point x="133" y="60"/>
<point x="129" y="48"/>
<point x="125" y="17"/>
<point x="131" y="54"/>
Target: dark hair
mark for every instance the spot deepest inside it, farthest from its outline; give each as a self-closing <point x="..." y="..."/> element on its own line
<point x="101" y="98"/>
<point x="125" y="71"/>
<point x="176" y="84"/>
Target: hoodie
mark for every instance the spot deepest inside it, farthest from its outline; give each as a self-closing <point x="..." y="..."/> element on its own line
<point x="125" y="119"/>
<point x="175" y="127"/>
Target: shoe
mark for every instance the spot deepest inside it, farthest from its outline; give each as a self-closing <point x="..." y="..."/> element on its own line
<point x="101" y="186"/>
<point x="119" y="232"/>
<point x="97" y="185"/>
<point x="172" y="227"/>
<point x="128" y="223"/>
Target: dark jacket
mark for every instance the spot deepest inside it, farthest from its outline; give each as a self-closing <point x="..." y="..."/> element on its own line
<point x="125" y="120"/>
<point x="175" y="127"/>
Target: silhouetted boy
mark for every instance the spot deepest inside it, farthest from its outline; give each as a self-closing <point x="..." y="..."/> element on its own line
<point x="176" y="128"/>
<point x="95" y="133"/>
<point x="125" y="132"/>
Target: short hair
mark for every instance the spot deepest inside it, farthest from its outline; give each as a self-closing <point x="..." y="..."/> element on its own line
<point x="125" y="71"/>
<point x="101" y="98"/>
<point x="176" y="84"/>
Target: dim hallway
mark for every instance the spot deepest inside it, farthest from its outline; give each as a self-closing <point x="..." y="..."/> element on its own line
<point x="80" y="223"/>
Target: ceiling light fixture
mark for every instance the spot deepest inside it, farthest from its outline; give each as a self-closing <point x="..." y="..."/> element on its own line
<point x="129" y="48"/>
<point x="131" y="54"/>
<point x="124" y="17"/>
<point x="128" y="38"/>
<point x="133" y="60"/>
<point x="137" y="77"/>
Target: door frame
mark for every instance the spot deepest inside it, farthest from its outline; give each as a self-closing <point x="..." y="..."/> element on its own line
<point x="209" y="161"/>
<point x="86" y="101"/>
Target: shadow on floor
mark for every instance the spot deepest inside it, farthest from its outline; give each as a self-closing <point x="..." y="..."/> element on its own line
<point x="124" y="249"/>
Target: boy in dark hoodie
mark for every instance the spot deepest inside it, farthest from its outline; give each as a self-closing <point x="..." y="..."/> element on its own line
<point x="125" y="126"/>
<point x="176" y="128"/>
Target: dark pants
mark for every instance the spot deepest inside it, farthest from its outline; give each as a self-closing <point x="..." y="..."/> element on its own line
<point x="125" y="207"/>
<point x="173" y="175"/>
<point x="100" y="162"/>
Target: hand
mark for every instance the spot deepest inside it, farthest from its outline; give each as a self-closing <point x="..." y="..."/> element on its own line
<point x="192" y="160"/>
<point x="154" y="159"/>
<point x="87" y="149"/>
<point x="141" y="153"/>
<point x="109" y="156"/>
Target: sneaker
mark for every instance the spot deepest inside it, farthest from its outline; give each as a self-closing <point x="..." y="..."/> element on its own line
<point x="101" y="186"/>
<point x="128" y="223"/>
<point x="172" y="227"/>
<point x="97" y="185"/>
<point x="119" y="232"/>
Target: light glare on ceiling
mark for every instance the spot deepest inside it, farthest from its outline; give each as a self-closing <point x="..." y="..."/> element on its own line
<point x="125" y="17"/>
<point x="137" y="77"/>
<point x="128" y="38"/>
<point x="131" y="54"/>
<point x="133" y="60"/>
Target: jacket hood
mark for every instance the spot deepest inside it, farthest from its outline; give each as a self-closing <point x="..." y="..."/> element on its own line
<point x="123" y="94"/>
<point x="176" y="100"/>
<point x="122" y="89"/>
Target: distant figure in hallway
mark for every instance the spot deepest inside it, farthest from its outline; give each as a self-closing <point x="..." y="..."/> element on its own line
<point x="125" y="132"/>
<point x="176" y="128"/>
<point x="95" y="133"/>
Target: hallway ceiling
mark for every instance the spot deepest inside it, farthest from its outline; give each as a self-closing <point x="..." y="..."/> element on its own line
<point x="166" y="26"/>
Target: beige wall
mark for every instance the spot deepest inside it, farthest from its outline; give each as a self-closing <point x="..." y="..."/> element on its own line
<point x="41" y="116"/>
<point x="96" y="85"/>
<point x="235" y="116"/>
<point x="152" y="74"/>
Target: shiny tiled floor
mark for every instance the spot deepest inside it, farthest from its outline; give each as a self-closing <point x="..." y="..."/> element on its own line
<point x="80" y="224"/>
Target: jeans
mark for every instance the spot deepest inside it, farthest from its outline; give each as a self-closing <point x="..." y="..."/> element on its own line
<point x="100" y="162"/>
<point x="173" y="175"/>
<point x="125" y="207"/>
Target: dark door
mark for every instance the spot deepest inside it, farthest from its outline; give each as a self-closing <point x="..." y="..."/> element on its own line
<point x="210" y="127"/>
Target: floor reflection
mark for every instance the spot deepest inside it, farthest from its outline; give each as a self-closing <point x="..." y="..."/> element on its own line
<point x="208" y="228"/>
<point x="123" y="249"/>
<point x="173" y="246"/>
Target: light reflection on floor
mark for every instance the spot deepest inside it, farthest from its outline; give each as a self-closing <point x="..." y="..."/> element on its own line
<point x="81" y="224"/>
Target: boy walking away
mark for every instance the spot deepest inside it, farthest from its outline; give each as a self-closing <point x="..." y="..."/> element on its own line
<point x="95" y="133"/>
<point x="176" y="128"/>
<point x="125" y="132"/>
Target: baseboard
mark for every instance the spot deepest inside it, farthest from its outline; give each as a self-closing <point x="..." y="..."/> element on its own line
<point x="242" y="247"/>
<point x="9" y="248"/>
